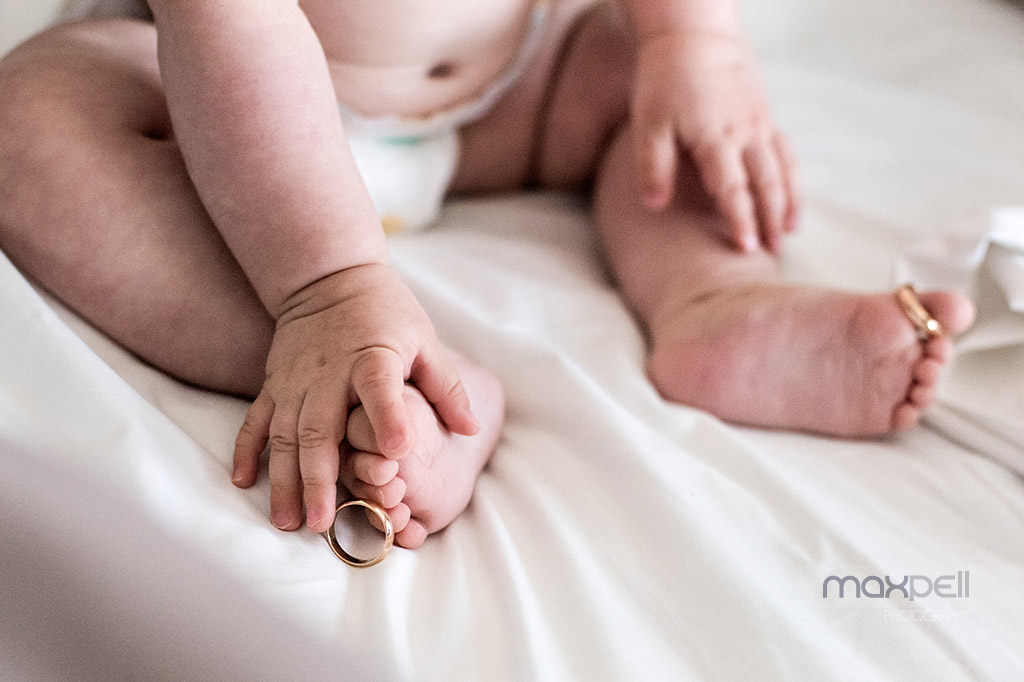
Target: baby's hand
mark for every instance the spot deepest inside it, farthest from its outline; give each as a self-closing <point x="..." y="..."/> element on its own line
<point x="701" y="94"/>
<point x="352" y="338"/>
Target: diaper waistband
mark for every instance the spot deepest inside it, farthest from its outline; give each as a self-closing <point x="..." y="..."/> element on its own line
<point x="411" y="127"/>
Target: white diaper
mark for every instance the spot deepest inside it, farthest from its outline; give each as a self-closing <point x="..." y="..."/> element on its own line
<point x="408" y="163"/>
<point x="407" y="176"/>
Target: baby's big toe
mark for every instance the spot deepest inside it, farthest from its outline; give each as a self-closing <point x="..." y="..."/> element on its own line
<point x="954" y="311"/>
<point x="359" y="432"/>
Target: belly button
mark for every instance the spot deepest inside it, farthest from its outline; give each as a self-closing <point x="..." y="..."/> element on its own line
<point x="441" y="70"/>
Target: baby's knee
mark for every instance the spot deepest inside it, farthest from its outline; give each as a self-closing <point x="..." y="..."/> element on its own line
<point x="71" y="65"/>
<point x="68" y="93"/>
<point x="28" y="107"/>
<point x="77" y="80"/>
<point x="24" y="81"/>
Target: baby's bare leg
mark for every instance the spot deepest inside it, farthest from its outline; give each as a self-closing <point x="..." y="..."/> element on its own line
<point x="96" y="205"/>
<point x="726" y="333"/>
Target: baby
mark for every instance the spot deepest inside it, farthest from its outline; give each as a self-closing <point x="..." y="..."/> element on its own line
<point x="210" y="190"/>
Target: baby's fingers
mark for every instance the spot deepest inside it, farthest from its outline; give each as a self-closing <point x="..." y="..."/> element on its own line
<point x="725" y="178"/>
<point x="656" y="163"/>
<point x="770" y="193"/>
<point x="788" y="167"/>
<point x="285" y="477"/>
<point x="378" y="379"/>
<point x="320" y="430"/>
<point x="252" y="440"/>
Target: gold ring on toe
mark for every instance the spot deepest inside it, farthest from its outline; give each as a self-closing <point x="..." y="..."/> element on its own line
<point x="389" y="535"/>
<point x="926" y="326"/>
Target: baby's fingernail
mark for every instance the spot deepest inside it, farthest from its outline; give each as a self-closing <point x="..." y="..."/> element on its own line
<point x="281" y="520"/>
<point x="749" y="243"/>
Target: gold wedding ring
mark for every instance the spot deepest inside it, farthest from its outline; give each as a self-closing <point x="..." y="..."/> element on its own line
<point x="926" y="326"/>
<point x="340" y="552"/>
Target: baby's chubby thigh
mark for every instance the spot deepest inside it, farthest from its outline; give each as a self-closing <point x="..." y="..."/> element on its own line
<point x="551" y="127"/>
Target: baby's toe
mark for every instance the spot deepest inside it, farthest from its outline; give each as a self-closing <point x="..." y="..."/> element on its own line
<point x="939" y="349"/>
<point x="927" y="372"/>
<point x="387" y="495"/>
<point x="954" y="311"/>
<point x="412" y="536"/>
<point x="905" y="416"/>
<point x="399" y="515"/>
<point x="921" y="396"/>
<point x="358" y="431"/>
<point x="373" y="469"/>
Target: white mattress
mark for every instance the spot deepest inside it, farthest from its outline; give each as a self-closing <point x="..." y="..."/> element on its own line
<point x="613" y="536"/>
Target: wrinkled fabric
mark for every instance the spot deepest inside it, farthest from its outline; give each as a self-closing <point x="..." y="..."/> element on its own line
<point x="614" y="536"/>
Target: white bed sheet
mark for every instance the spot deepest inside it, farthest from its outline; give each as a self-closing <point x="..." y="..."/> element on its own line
<point x="613" y="536"/>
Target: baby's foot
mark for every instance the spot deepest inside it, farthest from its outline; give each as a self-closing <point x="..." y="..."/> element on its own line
<point x="428" y="488"/>
<point x="806" y="359"/>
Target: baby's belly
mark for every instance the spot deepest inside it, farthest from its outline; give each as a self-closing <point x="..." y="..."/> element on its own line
<point x="415" y="57"/>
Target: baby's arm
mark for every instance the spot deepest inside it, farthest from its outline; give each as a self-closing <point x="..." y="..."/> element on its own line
<point x="256" y="118"/>
<point x="698" y="91"/>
